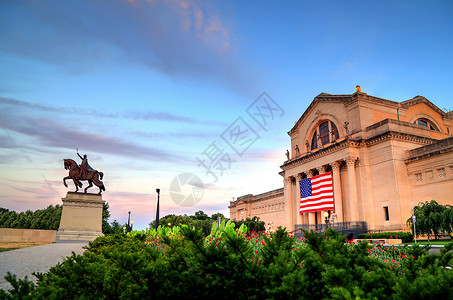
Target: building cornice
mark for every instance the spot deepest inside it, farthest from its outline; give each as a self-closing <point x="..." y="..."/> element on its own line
<point x="260" y="197"/>
<point x="436" y="148"/>
<point x="393" y="135"/>
<point x="300" y="160"/>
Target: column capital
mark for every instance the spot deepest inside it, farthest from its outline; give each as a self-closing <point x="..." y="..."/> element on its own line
<point x="350" y="160"/>
<point x="299" y="176"/>
<point x="310" y="173"/>
<point x="289" y="179"/>
<point x="321" y="169"/>
<point x="336" y="165"/>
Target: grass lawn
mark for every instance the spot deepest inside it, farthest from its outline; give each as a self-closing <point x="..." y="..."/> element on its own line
<point x="12" y="246"/>
<point x="431" y="242"/>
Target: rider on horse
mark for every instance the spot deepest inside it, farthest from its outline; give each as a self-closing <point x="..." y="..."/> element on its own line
<point x="85" y="168"/>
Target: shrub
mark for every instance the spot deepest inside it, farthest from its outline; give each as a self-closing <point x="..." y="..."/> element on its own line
<point x="230" y="266"/>
<point x="406" y="237"/>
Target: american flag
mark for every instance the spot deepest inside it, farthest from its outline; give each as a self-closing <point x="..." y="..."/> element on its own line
<point x="316" y="193"/>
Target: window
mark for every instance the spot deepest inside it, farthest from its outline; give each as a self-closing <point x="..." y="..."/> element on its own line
<point x="386" y="213"/>
<point x="426" y="123"/>
<point x="326" y="132"/>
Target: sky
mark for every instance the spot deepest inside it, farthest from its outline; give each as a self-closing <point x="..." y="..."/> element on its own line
<point x="194" y="98"/>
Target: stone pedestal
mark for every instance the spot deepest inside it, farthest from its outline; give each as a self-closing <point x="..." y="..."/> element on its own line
<point x="81" y="217"/>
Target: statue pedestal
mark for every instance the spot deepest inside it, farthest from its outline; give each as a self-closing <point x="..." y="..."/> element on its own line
<point x="81" y="217"/>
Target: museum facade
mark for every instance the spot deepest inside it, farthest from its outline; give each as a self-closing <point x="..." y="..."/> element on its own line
<point x="383" y="156"/>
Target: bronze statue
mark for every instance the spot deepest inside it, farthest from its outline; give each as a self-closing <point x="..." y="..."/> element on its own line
<point x="287" y="154"/>
<point x="83" y="172"/>
<point x="358" y="89"/>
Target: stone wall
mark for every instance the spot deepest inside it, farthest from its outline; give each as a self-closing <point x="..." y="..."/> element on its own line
<point x="27" y="235"/>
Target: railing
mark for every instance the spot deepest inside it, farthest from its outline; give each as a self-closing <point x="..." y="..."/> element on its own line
<point x="346" y="228"/>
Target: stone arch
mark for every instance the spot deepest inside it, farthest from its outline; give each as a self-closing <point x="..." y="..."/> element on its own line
<point x="318" y="120"/>
<point x="427" y="117"/>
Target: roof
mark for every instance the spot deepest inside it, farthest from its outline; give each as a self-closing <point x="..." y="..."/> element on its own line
<point x="325" y="97"/>
<point x="420" y="99"/>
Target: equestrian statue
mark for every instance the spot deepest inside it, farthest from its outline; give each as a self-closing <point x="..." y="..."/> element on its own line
<point x="83" y="172"/>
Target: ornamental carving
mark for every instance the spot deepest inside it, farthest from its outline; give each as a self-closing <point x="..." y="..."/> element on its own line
<point x="441" y="173"/>
<point x="350" y="161"/>
<point x="336" y="165"/>
<point x="418" y="177"/>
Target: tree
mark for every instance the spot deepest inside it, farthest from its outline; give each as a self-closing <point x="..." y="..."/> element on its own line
<point x="106" y="228"/>
<point x="447" y="219"/>
<point x="116" y="227"/>
<point x="48" y="218"/>
<point x="200" y="221"/>
<point x="217" y="215"/>
<point x="253" y="224"/>
<point x="430" y="219"/>
<point x="200" y="215"/>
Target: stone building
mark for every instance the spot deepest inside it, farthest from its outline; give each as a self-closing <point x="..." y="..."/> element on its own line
<point x="384" y="156"/>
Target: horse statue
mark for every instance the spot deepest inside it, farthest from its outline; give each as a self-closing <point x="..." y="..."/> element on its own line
<point x="93" y="176"/>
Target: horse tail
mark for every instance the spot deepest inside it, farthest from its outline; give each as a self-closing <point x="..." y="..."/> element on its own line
<point x="101" y="175"/>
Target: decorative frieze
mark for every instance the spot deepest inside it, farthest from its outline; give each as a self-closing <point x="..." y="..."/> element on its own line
<point x="419" y="177"/>
<point x="441" y="173"/>
<point x="429" y="175"/>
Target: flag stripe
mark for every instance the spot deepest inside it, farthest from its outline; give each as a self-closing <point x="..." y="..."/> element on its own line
<point x="316" y="193"/>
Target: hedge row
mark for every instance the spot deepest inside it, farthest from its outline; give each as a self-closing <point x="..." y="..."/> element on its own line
<point x="325" y="266"/>
<point x="406" y="237"/>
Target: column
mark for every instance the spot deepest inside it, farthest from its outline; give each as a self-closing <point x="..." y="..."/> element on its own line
<point x="352" y="187"/>
<point x="300" y="217"/>
<point x="337" y="190"/>
<point x="289" y="202"/>
<point x="311" y="215"/>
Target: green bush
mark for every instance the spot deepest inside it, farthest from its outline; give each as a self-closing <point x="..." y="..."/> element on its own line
<point x="228" y="265"/>
<point x="47" y="219"/>
<point x="406" y="237"/>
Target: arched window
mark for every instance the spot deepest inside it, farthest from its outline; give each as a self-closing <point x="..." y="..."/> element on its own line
<point x="326" y="132"/>
<point x="426" y="123"/>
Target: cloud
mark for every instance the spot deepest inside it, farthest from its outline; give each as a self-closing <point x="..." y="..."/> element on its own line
<point x="52" y="133"/>
<point x="182" y="39"/>
<point x="130" y="115"/>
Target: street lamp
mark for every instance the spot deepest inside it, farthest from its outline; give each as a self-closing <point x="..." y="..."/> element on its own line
<point x="326" y="218"/>
<point x="157" y="212"/>
<point x="129" y="222"/>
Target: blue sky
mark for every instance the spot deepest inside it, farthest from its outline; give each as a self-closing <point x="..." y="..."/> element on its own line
<point x="145" y="87"/>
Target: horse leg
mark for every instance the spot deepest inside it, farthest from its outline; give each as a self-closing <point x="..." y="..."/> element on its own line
<point x="90" y="185"/>
<point x="64" y="180"/>
<point x="76" y="185"/>
<point x="98" y="183"/>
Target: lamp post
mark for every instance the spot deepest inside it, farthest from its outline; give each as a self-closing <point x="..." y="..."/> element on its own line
<point x="132" y="225"/>
<point x="326" y="218"/>
<point x="129" y="222"/>
<point x="157" y="212"/>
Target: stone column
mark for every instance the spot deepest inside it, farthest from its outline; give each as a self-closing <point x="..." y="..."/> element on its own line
<point x="352" y="187"/>
<point x="337" y="190"/>
<point x="300" y="217"/>
<point x="311" y="215"/>
<point x="289" y="202"/>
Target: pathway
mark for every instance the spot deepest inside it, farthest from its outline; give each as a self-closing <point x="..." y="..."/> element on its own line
<point x="23" y="262"/>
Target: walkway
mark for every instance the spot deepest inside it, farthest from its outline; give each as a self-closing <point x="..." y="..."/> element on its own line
<point x="23" y="262"/>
